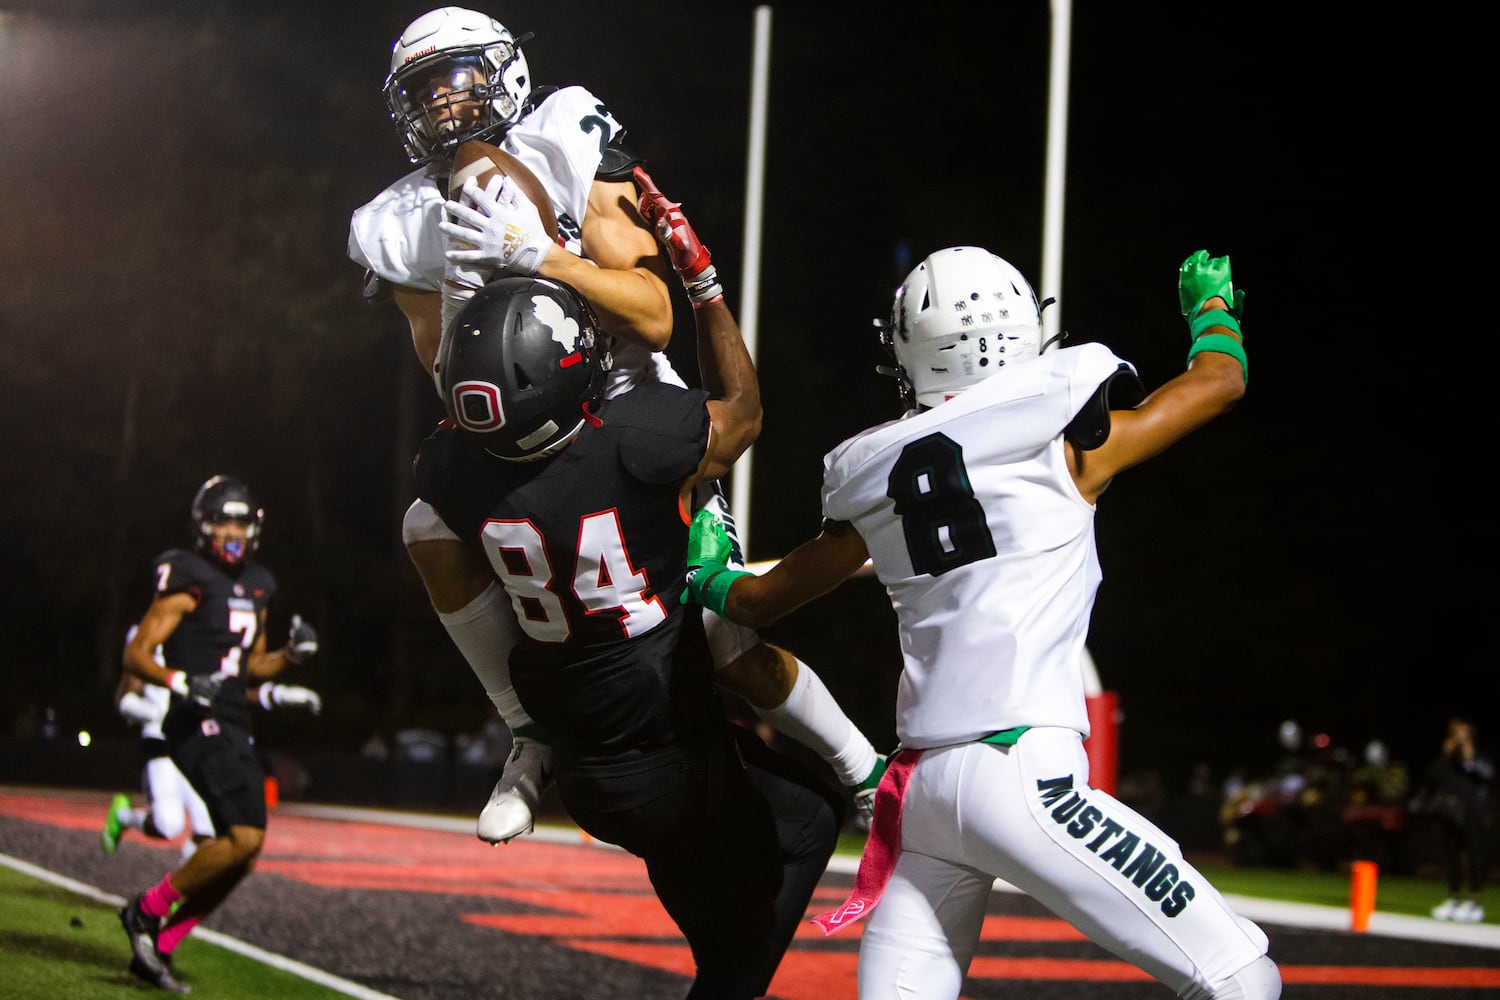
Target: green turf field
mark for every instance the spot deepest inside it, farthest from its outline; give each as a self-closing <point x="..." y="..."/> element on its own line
<point x="59" y="945"/>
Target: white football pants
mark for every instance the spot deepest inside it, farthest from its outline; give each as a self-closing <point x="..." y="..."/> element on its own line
<point x="976" y="812"/>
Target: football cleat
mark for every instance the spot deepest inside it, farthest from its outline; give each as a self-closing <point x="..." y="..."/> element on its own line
<point x="109" y="839"/>
<point x="1446" y="910"/>
<point x="163" y="980"/>
<point x="511" y="810"/>
<point x="143" y="931"/>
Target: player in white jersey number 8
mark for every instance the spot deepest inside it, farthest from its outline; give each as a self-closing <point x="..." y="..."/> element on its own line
<point x="458" y="74"/>
<point x="977" y="509"/>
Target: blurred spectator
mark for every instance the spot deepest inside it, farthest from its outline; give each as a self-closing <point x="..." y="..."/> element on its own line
<point x="1374" y="820"/>
<point x="1455" y="793"/>
<point x="1380" y="780"/>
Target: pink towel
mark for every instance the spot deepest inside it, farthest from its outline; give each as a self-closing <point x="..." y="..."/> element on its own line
<point x="881" y="847"/>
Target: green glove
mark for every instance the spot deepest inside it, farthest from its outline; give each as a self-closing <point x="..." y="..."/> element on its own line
<point x="1202" y="277"/>
<point x="707" y="540"/>
<point x="708" y="579"/>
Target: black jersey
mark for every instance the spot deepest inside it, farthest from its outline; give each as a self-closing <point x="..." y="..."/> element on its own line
<point x="591" y="546"/>
<point x="219" y="633"/>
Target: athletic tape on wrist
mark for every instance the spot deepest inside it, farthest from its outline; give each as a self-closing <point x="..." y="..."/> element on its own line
<point x="1213" y="317"/>
<point x="1221" y="343"/>
<point x="716" y="590"/>
<point x="705" y="287"/>
<point x="710" y="583"/>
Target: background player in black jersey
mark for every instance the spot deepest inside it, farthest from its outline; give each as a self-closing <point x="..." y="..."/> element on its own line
<point x="579" y="505"/>
<point x="209" y="618"/>
<point x="171" y="802"/>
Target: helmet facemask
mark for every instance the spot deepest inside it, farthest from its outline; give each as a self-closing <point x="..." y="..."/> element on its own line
<point x="455" y="75"/>
<point x="222" y="500"/>
<point x="960" y="316"/>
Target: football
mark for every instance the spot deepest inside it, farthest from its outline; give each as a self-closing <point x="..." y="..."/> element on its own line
<point x="482" y="161"/>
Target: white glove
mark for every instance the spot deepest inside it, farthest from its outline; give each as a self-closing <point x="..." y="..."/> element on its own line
<point x="139" y="709"/>
<point x="290" y="696"/>
<point x="495" y="226"/>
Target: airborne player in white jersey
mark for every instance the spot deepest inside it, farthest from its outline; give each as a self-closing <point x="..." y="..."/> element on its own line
<point x="457" y="75"/>
<point x="977" y="510"/>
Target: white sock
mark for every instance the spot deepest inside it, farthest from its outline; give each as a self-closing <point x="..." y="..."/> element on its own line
<point x="812" y="717"/>
<point x="134" y="819"/>
<point x="485" y="630"/>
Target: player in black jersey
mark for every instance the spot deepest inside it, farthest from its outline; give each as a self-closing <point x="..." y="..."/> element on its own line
<point x="208" y="617"/>
<point x="578" y="503"/>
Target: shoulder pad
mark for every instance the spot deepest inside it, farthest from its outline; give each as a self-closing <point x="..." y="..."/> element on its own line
<point x="663" y="431"/>
<point x="1121" y="391"/>
<point x="375" y="288"/>
<point x="619" y="160"/>
<point x="433" y="466"/>
<point x="537" y="96"/>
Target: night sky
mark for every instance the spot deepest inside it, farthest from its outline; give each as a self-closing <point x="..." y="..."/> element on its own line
<point x="177" y="191"/>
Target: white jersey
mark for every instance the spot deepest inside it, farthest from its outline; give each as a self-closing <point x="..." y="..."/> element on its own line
<point x="159" y="697"/>
<point x="162" y="699"/>
<point x="561" y="141"/>
<point x="986" y="547"/>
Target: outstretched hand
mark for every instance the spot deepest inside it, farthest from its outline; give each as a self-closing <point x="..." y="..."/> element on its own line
<point x="690" y="258"/>
<point x="1202" y="277"/>
<point x="495" y="226"/>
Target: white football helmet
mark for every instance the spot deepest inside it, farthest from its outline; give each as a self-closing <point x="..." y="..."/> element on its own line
<point x="456" y="74"/>
<point x="959" y="317"/>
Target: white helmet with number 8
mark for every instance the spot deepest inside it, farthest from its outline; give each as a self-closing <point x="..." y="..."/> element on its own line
<point x="960" y="316"/>
<point x="456" y="74"/>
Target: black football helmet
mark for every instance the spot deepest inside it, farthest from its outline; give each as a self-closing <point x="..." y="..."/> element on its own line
<point x="523" y="366"/>
<point x="220" y="499"/>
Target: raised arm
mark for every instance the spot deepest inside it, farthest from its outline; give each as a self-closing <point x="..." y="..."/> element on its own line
<point x="1213" y="383"/>
<point x="723" y="359"/>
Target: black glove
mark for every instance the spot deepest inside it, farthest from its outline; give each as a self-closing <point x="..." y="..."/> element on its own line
<point x="301" y="641"/>
<point x="203" y="689"/>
